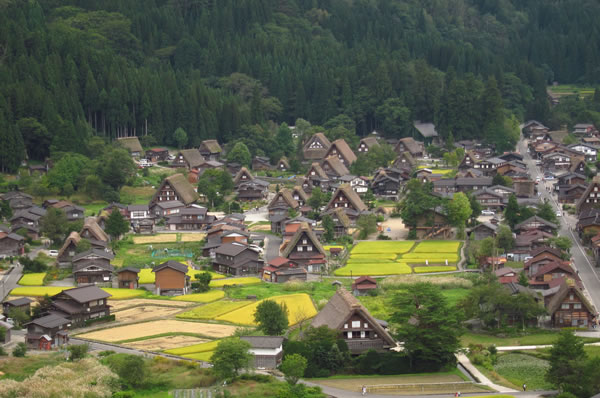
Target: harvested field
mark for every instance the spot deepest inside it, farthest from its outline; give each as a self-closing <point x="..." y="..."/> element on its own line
<point x="144" y="313"/>
<point x="192" y="237"/>
<point x="160" y="238"/>
<point x="193" y="349"/>
<point x="153" y="328"/>
<point x="431" y="257"/>
<point x="164" y="343"/>
<point x="119" y="305"/>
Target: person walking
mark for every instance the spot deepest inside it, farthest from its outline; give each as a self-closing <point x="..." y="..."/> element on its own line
<point x="524" y="387"/>
<point x="364" y="390"/>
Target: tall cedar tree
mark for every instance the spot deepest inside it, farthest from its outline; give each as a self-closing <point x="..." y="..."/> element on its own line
<point x="116" y="224"/>
<point x="429" y="328"/>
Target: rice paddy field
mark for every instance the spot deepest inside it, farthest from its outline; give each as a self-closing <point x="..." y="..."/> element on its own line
<point x="234" y="281"/>
<point x="145" y="313"/>
<point x="212" y="295"/>
<point x="38" y="291"/>
<point x="36" y="279"/>
<point x="160" y="238"/>
<point x="193" y="349"/>
<point x="379" y="258"/>
<point x="164" y="343"/>
<point x="382" y="246"/>
<point x="154" y="328"/>
<point x="437" y="246"/>
<point x="213" y="310"/>
<point x="300" y="307"/>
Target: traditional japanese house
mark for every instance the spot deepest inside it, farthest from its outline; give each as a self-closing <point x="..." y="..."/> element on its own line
<point x="175" y="188"/>
<point x="171" y="279"/>
<point x="236" y="259"/>
<point x="316" y="147"/>
<point x="80" y="304"/>
<point x="340" y="149"/>
<point x="128" y="278"/>
<point x="345" y="198"/>
<point x="93" y="267"/>
<point x="305" y="249"/>
<point x="47" y="332"/>
<point x="210" y="149"/>
<point x="281" y="269"/>
<point x="570" y="308"/>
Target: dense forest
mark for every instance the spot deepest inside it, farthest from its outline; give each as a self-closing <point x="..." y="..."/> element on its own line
<point x="223" y="69"/>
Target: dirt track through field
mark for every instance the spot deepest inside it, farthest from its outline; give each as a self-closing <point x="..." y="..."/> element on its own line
<point x="165" y="343"/>
<point x="145" y="313"/>
<point x="119" y="305"/>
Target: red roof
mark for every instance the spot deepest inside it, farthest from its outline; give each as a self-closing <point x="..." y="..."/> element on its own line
<point x="278" y="261"/>
<point x="159" y="149"/>
<point x="508" y="279"/>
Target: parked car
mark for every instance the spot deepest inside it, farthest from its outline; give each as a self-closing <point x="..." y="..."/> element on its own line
<point x="53" y="253"/>
<point x="549" y="177"/>
<point x="256" y="248"/>
<point x="145" y="163"/>
<point x="487" y="213"/>
<point x="558" y="214"/>
<point x="537" y="179"/>
<point x="527" y="258"/>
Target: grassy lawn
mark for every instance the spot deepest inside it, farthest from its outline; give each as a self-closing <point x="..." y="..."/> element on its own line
<point x="139" y="256"/>
<point x="235" y="281"/>
<point x="212" y="295"/>
<point x="317" y="290"/>
<point x="537" y="337"/>
<point x="136" y="195"/>
<point x="21" y="368"/>
<point x="355" y="382"/>
<point x="514" y="264"/>
<point x="94" y="208"/>
<point x="374" y="268"/>
<point x="521" y="369"/>
<point x="438" y="268"/>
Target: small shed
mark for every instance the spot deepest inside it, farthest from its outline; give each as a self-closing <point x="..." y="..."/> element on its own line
<point x="362" y="285"/>
<point x="128" y="277"/>
<point x="22" y="303"/>
<point x="267" y="350"/>
<point x="7" y="327"/>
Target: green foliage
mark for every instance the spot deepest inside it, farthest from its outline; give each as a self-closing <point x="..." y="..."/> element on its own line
<point x="367" y="225"/>
<point x="132" y="369"/>
<point x="271" y="317"/>
<point x="504" y="238"/>
<point x="230" y="357"/>
<point x="570" y="369"/>
<point x="240" y="154"/>
<point x="77" y="351"/>
<point x="426" y="308"/>
<point x="547" y="212"/>
<point x="459" y="211"/>
<point x="2" y="333"/>
<point x="418" y="202"/>
<point x="116" y="224"/>
<point x="202" y="282"/>
<point x="83" y="245"/>
<point x="180" y="137"/>
<point x="293" y="367"/>
<point x="328" y="228"/>
<point x="54" y="225"/>
<point x="20" y="350"/>
<point x="32" y="265"/>
<point x="323" y="349"/>
<point x="215" y="184"/>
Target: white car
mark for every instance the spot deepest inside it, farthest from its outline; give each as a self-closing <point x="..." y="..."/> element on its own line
<point x="256" y="248"/>
<point x="53" y="253"/>
<point x="538" y="179"/>
<point x="487" y="213"/>
<point x="558" y="214"/>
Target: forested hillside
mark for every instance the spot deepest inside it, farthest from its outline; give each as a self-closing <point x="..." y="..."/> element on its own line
<point x="70" y="69"/>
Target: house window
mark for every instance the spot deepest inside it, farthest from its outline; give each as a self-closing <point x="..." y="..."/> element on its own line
<point x="308" y="248"/>
<point x="366" y="325"/>
<point x="571" y="297"/>
<point x="355" y="324"/>
<point x="304" y="241"/>
<point x="564" y="306"/>
<point x="577" y="306"/>
<point x="362" y="334"/>
<point x="299" y="248"/>
<point x="345" y="326"/>
<point x="349" y="335"/>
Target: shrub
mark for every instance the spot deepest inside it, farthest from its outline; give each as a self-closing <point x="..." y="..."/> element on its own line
<point x="77" y="351"/>
<point x="106" y="318"/>
<point x="3" y="352"/>
<point x="20" y="350"/>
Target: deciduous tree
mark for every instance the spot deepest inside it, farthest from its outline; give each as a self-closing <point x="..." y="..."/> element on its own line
<point x="271" y="317"/>
<point x="230" y="357"/>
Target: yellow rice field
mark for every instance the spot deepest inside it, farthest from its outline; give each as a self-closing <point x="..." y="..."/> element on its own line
<point x="36" y="279"/>
<point x="164" y="343"/>
<point x="213" y="310"/>
<point x="235" y="281"/>
<point x="192" y="237"/>
<point x="152" y="328"/>
<point x="300" y="307"/>
<point x="212" y="295"/>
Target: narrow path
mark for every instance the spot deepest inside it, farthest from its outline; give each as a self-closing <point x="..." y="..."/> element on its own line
<point x="466" y="363"/>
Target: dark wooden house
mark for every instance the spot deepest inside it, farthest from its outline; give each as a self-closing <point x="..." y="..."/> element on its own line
<point x="316" y="147"/>
<point x="281" y="269"/>
<point x="80" y="304"/>
<point x="570" y="308"/>
<point x="210" y="149"/>
<point x="128" y="278"/>
<point x="236" y="259"/>
<point x="361" y="332"/>
<point x="171" y="278"/>
<point x="305" y="249"/>
<point x="93" y="267"/>
<point x="47" y="332"/>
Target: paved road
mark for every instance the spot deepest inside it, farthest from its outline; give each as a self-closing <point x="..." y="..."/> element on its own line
<point x="9" y="281"/>
<point x="588" y="273"/>
<point x="272" y="244"/>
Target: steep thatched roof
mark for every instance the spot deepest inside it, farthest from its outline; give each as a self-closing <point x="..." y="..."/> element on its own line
<point x="94" y="229"/>
<point x="319" y="172"/>
<point x="336" y="165"/>
<point x="310" y="152"/>
<point x="568" y="285"/>
<point x="192" y="157"/>
<point x="73" y="237"/>
<point x="343" y="149"/>
<point x="340" y="308"/>
<point x="131" y="143"/>
<point x="304" y="229"/>
<point x="238" y="177"/>
<point x="287" y="197"/>
<point x="210" y="146"/>
<point x="352" y="197"/>
<point x="182" y="188"/>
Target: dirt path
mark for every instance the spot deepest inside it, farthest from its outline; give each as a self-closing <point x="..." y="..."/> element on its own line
<point x="397" y="229"/>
